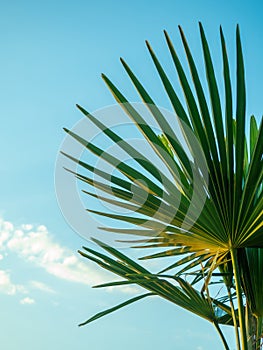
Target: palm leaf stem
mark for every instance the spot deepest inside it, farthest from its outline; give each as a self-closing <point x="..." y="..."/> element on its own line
<point x="221" y="334"/>
<point x="251" y="325"/>
<point x="259" y="332"/>
<point x="241" y="314"/>
<point x="234" y="318"/>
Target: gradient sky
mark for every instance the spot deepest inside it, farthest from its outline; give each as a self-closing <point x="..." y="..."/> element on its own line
<point x="52" y="55"/>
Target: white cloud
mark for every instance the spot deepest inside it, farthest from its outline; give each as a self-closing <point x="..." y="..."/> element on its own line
<point x="41" y="286"/>
<point x="7" y="286"/>
<point x="27" y="227"/>
<point x="37" y="246"/>
<point x="6" y="229"/>
<point x="6" y="225"/>
<point x="27" y="300"/>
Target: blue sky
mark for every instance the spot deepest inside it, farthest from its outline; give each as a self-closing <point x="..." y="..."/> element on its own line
<point x="52" y="55"/>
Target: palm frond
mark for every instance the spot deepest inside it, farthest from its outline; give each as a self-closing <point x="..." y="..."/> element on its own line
<point x="201" y="206"/>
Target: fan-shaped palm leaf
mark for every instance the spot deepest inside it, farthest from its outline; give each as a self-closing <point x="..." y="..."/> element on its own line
<point x="231" y="215"/>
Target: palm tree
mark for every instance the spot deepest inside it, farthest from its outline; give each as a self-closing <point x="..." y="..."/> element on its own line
<point x="215" y="233"/>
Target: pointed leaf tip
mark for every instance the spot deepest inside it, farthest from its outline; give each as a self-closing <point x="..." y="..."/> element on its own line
<point x="238" y="32"/>
<point x="123" y="62"/>
<point x="86" y="113"/>
<point x="201" y="28"/>
<point x="181" y="32"/>
<point x="98" y="242"/>
<point x="166" y="34"/>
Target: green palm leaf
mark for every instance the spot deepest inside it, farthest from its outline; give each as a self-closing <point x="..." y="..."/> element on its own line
<point x="211" y="222"/>
<point x="183" y="295"/>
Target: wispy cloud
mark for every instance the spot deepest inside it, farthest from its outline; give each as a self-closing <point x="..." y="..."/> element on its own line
<point x="27" y="300"/>
<point x="6" y="228"/>
<point x="7" y="286"/>
<point x="42" y="287"/>
<point x="37" y="246"/>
